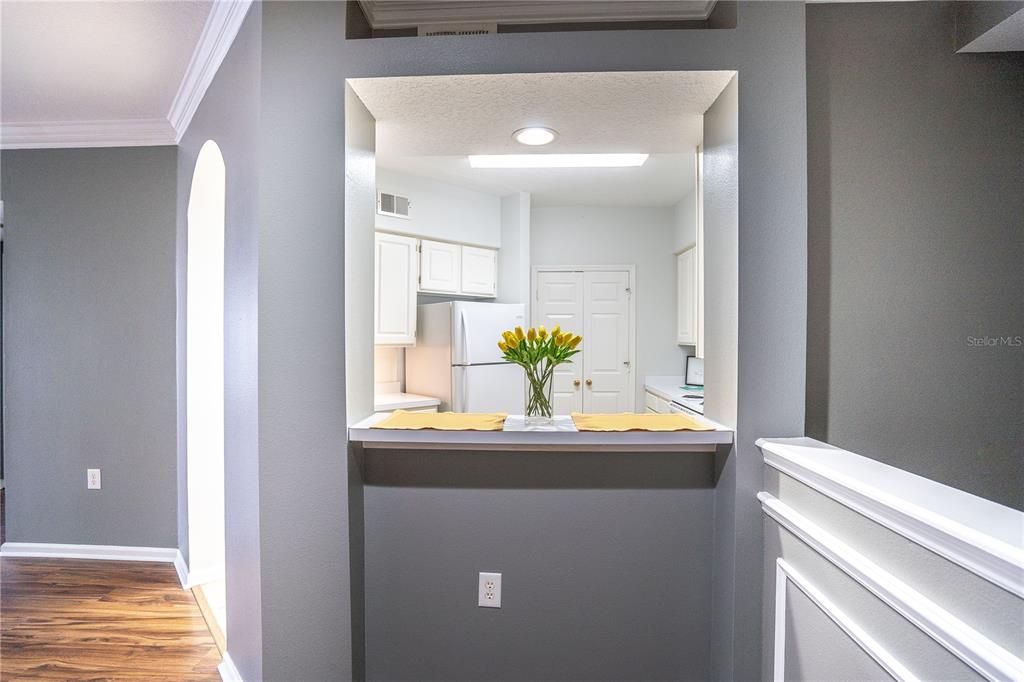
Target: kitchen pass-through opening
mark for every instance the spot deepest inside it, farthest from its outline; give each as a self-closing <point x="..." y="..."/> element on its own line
<point x="603" y="203"/>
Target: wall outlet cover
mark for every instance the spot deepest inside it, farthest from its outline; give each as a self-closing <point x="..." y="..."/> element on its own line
<point x="92" y="479"/>
<point x="489" y="591"/>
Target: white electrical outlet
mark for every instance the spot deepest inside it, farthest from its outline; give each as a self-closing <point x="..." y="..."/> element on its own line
<point x="489" y="591"/>
<point x="92" y="479"/>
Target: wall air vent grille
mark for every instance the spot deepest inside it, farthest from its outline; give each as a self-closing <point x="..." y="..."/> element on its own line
<point x="457" y="30"/>
<point x="393" y="205"/>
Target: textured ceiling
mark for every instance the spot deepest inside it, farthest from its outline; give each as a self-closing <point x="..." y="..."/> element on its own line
<point x="94" y="61"/>
<point x="426" y="126"/>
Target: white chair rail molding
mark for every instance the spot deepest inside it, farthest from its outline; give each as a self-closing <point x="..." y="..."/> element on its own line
<point x="885" y="573"/>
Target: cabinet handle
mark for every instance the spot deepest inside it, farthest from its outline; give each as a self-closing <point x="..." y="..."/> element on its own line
<point x="589" y="382"/>
<point x="576" y="383"/>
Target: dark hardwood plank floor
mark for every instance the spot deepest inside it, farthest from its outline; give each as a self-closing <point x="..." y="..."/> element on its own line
<point x="100" y="620"/>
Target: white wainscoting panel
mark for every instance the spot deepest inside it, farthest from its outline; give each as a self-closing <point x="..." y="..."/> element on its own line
<point x="974" y="649"/>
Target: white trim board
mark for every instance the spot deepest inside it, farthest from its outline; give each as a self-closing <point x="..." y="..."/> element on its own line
<point x="228" y="671"/>
<point x="219" y="32"/>
<point x="989" y="659"/>
<point x="785" y="574"/>
<point x="166" y="555"/>
<point x="970" y="531"/>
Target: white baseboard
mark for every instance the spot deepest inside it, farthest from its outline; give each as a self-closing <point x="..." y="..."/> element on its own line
<point x="228" y="671"/>
<point x="167" y="555"/>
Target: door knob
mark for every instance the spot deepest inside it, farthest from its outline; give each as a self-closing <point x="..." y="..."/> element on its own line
<point x="576" y="383"/>
<point x="589" y="382"/>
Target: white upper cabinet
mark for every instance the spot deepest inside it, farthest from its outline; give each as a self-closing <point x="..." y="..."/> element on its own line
<point x="447" y="268"/>
<point x="686" y="297"/>
<point x="440" y="267"/>
<point x="479" y="271"/>
<point x="394" y="299"/>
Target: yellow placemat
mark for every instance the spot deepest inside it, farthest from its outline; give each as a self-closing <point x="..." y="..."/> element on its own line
<point x="637" y="422"/>
<point x="443" y="421"/>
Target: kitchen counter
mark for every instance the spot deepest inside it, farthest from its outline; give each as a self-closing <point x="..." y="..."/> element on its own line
<point x="671" y="389"/>
<point x="387" y="402"/>
<point x="563" y="436"/>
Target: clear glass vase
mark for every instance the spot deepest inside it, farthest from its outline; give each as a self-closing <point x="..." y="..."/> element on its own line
<point x="539" y="411"/>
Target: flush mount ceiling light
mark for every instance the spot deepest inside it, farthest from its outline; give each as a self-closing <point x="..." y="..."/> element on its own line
<point x="534" y="136"/>
<point x="557" y="160"/>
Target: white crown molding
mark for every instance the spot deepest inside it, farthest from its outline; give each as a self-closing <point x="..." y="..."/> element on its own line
<point x="228" y="671"/>
<point x="982" y="654"/>
<point x="222" y="25"/>
<point x="851" y="480"/>
<point x="406" y="13"/>
<point x="785" y="574"/>
<point x="62" y="134"/>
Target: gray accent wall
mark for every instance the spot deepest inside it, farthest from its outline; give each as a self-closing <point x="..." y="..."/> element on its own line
<point x="89" y="310"/>
<point x="604" y="560"/>
<point x="916" y="238"/>
<point x="229" y="115"/>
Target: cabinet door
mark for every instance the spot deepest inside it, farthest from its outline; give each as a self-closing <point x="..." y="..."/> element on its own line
<point x="686" y="297"/>
<point x="479" y="271"/>
<point x="440" y="267"/>
<point x="394" y="295"/>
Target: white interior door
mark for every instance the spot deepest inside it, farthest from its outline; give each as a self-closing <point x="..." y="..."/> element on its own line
<point x="559" y="301"/>
<point x="608" y="383"/>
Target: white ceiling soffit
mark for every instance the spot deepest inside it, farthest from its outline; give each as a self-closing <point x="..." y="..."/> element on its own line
<point x="629" y="111"/>
<point x="428" y="125"/>
<point x="108" y="74"/>
<point x="406" y="13"/>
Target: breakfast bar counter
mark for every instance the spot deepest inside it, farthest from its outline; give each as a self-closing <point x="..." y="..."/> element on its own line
<point x="560" y="436"/>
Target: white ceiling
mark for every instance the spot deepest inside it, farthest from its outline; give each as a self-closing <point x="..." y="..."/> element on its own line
<point x="108" y="73"/>
<point x="427" y="126"/>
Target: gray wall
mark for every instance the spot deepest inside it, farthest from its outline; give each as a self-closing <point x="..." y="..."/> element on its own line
<point x="604" y="562"/>
<point x="622" y="235"/>
<point x="229" y="115"/>
<point x="89" y="345"/>
<point x="917" y="240"/>
<point x="304" y="524"/>
<point x="767" y="48"/>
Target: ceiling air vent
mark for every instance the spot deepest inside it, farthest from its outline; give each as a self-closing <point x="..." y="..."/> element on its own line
<point x="393" y="205"/>
<point x="457" y="29"/>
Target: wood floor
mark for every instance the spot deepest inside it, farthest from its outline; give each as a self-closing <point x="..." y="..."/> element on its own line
<point x="65" y="619"/>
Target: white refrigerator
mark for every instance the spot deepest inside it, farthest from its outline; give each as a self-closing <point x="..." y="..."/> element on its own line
<point x="457" y="360"/>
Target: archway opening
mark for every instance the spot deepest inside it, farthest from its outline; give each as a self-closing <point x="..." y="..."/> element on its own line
<point x="204" y="377"/>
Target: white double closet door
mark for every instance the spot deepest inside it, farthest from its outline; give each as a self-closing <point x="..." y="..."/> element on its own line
<point x="597" y="305"/>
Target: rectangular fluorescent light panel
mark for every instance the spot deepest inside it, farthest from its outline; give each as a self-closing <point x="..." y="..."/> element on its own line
<point x="557" y="160"/>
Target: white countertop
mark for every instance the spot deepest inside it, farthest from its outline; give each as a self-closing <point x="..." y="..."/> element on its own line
<point x="562" y="436"/>
<point x="671" y="389"/>
<point x="386" y="402"/>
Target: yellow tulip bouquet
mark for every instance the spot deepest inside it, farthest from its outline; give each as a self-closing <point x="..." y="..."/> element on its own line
<point x="538" y="352"/>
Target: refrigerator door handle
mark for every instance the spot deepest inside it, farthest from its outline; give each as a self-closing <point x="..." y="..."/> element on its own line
<point x="465" y="336"/>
